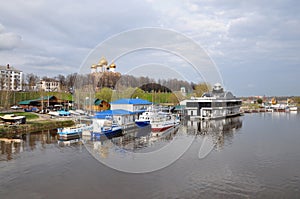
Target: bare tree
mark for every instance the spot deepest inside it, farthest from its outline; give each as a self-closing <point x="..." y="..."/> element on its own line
<point x="31" y="80"/>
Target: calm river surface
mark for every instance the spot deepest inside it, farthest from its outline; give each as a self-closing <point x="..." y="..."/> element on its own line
<point x="253" y="156"/>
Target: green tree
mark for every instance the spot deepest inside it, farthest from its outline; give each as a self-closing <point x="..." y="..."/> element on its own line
<point x="138" y="93"/>
<point x="104" y="94"/>
<point x="259" y="100"/>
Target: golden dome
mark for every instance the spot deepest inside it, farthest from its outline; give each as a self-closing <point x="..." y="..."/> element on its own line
<point x="93" y="66"/>
<point x="102" y="61"/>
<point x="112" y="65"/>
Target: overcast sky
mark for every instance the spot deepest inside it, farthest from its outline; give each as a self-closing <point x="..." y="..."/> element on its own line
<point x="255" y="45"/>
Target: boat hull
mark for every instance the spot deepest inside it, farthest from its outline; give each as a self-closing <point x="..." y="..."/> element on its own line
<point x="14" y="119"/>
<point x="72" y="131"/>
<point x="107" y="133"/>
<point x="142" y="123"/>
<point x="160" y="129"/>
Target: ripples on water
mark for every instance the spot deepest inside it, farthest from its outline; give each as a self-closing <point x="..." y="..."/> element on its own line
<point x="255" y="155"/>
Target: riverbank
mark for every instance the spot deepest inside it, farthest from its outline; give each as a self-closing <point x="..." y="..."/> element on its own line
<point x="9" y="131"/>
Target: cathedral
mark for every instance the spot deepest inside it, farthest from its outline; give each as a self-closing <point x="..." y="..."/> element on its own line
<point x="105" y="74"/>
<point x="103" y="66"/>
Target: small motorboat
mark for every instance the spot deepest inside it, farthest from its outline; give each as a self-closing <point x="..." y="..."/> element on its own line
<point x="12" y="118"/>
<point x="164" y="121"/>
<point x="73" y="130"/>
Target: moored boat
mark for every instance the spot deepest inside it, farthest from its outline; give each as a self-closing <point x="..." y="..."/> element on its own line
<point x="163" y="121"/>
<point x="294" y="108"/>
<point x="73" y="130"/>
<point x="144" y="118"/>
<point x="12" y="118"/>
<point x="106" y="127"/>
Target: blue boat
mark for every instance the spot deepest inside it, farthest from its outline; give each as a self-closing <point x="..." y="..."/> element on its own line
<point x="64" y="113"/>
<point x="107" y="131"/>
<point x="106" y="127"/>
<point x="142" y="123"/>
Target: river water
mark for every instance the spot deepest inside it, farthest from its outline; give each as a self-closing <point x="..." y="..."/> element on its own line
<point x="253" y="156"/>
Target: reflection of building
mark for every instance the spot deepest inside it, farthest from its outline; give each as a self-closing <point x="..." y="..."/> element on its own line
<point x="215" y="104"/>
<point x="10" y="78"/>
<point x="217" y="130"/>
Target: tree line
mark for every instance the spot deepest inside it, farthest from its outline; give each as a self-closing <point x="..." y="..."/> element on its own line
<point x="96" y="82"/>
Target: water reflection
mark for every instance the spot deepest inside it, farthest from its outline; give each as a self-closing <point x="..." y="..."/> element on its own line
<point x="10" y="148"/>
<point x="68" y="141"/>
<point x="139" y="140"/>
<point x="142" y="140"/>
<point x="213" y="134"/>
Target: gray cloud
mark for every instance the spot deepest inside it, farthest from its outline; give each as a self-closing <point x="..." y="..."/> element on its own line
<point x="9" y="40"/>
<point x="239" y="35"/>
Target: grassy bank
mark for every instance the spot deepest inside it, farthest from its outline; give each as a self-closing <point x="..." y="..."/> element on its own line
<point x="9" y="131"/>
<point x="29" y="116"/>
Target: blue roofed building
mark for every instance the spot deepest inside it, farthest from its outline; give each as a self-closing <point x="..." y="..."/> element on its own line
<point x="133" y="105"/>
<point x="124" y="111"/>
<point x="119" y="115"/>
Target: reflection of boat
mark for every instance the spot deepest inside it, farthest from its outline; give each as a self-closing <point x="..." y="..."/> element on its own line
<point x="166" y="132"/>
<point x="105" y="127"/>
<point x="163" y="121"/>
<point x="73" y="130"/>
<point x="69" y="141"/>
<point x="12" y="118"/>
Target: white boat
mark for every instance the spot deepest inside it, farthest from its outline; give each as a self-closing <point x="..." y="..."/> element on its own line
<point x="213" y="105"/>
<point x="12" y="118"/>
<point x="293" y="108"/>
<point x="73" y="112"/>
<point x="53" y="113"/>
<point x="163" y="121"/>
<point x="145" y="118"/>
<point x="73" y="130"/>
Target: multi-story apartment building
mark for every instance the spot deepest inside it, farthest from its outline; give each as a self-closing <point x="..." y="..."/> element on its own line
<point x="48" y="85"/>
<point x="10" y="78"/>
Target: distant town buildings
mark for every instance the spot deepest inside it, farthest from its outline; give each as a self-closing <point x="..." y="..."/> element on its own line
<point x="49" y="85"/>
<point x="10" y="78"/>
